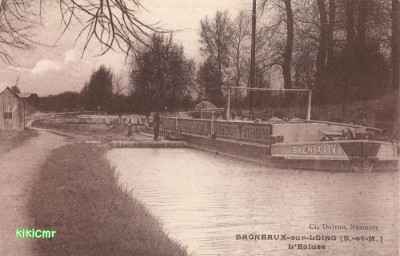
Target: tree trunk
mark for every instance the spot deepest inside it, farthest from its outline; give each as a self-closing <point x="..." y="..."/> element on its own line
<point x="287" y="75"/>
<point x="345" y="94"/>
<point x="396" y="44"/>
<point x="323" y="46"/>
<point x="362" y="23"/>
<point x="350" y="36"/>
<point x="396" y="65"/>
<point x="331" y="26"/>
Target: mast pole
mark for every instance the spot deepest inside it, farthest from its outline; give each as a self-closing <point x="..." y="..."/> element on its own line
<point x="309" y="106"/>
<point x="253" y="59"/>
<point x="228" y="109"/>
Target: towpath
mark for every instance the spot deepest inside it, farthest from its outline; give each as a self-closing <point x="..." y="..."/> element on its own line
<point x="19" y="167"/>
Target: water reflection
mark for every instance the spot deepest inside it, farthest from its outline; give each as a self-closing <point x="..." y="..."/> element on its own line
<point x="205" y="201"/>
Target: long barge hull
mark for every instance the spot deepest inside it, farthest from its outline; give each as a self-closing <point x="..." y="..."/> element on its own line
<point x="286" y="145"/>
<point x="352" y="155"/>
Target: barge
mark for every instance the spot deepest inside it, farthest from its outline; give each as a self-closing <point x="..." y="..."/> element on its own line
<point x="293" y="144"/>
<point x="290" y="144"/>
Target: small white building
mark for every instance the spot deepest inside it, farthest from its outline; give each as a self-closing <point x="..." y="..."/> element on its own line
<point x="12" y="111"/>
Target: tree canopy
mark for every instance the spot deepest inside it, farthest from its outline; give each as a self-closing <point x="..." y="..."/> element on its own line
<point x="98" y="91"/>
<point x="161" y="76"/>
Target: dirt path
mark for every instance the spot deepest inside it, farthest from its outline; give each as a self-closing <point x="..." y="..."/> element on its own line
<point x="18" y="168"/>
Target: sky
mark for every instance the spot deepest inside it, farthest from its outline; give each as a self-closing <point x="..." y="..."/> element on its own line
<point x="57" y="66"/>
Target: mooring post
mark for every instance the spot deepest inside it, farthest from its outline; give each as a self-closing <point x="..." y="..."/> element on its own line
<point x="309" y="106"/>
<point x="253" y="59"/>
<point x="228" y="109"/>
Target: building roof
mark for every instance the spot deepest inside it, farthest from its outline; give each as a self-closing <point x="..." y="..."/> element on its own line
<point x="25" y="94"/>
<point x="16" y="94"/>
<point x="205" y="105"/>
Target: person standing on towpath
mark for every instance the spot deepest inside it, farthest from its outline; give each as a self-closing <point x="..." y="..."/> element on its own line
<point x="156" y="124"/>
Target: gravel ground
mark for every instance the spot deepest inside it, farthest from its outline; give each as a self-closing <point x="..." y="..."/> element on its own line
<point x="18" y="168"/>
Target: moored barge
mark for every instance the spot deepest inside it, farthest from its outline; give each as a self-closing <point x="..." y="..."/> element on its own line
<point x="294" y="144"/>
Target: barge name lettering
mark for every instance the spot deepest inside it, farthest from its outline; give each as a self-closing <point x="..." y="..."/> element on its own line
<point x="315" y="150"/>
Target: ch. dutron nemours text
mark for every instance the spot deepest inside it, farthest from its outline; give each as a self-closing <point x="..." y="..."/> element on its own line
<point x="343" y="227"/>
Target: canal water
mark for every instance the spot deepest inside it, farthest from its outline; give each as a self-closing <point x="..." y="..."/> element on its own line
<point x="220" y="206"/>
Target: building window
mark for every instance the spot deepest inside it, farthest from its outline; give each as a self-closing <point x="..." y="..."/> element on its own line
<point x="7" y="115"/>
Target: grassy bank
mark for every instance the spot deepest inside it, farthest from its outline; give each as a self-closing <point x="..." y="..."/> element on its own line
<point x="77" y="195"/>
<point x="14" y="139"/>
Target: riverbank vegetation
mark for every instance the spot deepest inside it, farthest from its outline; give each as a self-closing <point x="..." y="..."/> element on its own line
<point x="79" y="189"/>
<point x="14" y="139"/>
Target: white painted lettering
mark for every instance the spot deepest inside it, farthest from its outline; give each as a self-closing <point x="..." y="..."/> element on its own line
<point x="333" y="147"/>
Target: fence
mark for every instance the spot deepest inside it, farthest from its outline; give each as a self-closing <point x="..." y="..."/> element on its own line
<point x="240" y="131"/>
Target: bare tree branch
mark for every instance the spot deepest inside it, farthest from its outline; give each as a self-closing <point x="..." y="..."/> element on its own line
<point x="109" y="22"/>
<point x="16" y="22"/>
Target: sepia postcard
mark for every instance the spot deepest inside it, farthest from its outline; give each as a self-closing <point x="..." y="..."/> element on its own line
<point x="204" y="128"/>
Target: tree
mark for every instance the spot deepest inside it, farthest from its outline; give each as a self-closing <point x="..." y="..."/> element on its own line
<point x="395" y="44"/>
<point x="396" y="65"/>
<point x="239" y="56"/>
<point x="16" y="19"/>
<point x="239" y="48"/>
<point x="325" y="53"/>
<point x="99" y="90"/>
<point x="112" y="23"/>
<point x="287" y="57"/>
<point x="323" y="45"/>
<point x="207" y="78"/>
<point x="66" y="101"/>
<point x="331" y="29"/>
<point x="215" y="39"/>
<point x="362" y="63"/>
<point x="162" y="76"/>
<point x="279" y="40"/>
<point x="350" y="32"/>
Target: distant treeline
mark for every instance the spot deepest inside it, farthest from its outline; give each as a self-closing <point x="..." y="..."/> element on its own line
<point x="344" y="50"/>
